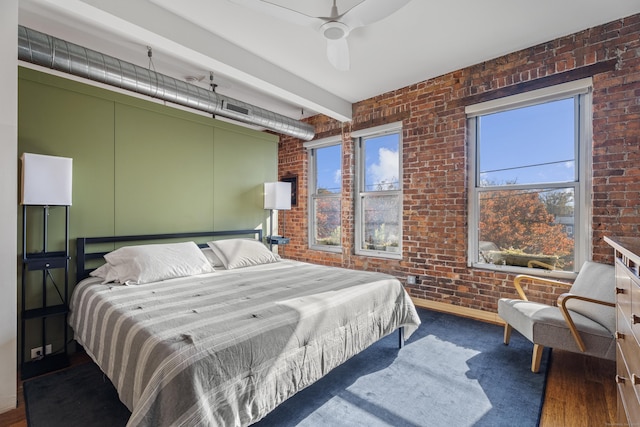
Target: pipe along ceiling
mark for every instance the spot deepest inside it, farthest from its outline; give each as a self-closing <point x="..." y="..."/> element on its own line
<point x="47" y="51"/>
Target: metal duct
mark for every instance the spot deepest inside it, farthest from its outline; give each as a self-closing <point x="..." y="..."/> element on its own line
<point x="42" y="49"/>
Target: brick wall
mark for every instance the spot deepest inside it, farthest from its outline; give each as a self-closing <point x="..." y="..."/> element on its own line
<point x="435" y="162"/>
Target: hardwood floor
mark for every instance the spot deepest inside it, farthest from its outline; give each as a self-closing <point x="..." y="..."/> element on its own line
<point x="580" y="392"/>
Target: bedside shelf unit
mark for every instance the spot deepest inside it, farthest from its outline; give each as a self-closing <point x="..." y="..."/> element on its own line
<point x="46" y="313"/>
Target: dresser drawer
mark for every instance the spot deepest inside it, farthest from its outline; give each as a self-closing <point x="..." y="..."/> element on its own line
<point x="628" y="353"/>
<point x="626" y="391"/>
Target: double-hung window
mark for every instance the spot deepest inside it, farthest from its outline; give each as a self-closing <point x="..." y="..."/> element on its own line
<point x="378" y="225"/>
<point x="529" y="198"/>
<point x="325" y="194"/>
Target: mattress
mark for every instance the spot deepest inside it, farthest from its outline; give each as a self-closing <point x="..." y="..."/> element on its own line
<point x="225" y="348"/>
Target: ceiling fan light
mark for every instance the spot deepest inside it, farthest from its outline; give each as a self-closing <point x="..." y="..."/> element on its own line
<point x="334" y="30"/>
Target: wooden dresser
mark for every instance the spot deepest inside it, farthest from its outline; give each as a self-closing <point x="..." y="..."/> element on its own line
<point x="627" y="259"/>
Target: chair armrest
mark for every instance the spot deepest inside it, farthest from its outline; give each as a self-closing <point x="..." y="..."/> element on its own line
<point x="521" y="277"/>
<point x="562" y="303"/>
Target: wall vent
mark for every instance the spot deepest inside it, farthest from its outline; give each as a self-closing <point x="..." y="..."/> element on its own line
<point x="236" y="108"/>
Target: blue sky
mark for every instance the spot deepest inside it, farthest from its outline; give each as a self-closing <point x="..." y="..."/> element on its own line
<point x="381" y="162"/>
<point x="528" y="145"/>
<point x="328" y="165"/>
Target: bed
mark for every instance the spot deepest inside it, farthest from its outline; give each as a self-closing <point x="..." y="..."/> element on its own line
<point x="222" y="347"/>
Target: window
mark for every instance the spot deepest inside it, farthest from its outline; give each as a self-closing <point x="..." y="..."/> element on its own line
<point x="325" y="189"/>
<point x="528" y="201"/>
<point x="379" y="192"/>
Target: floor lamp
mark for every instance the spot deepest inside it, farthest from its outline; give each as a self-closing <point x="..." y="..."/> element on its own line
<point x="277" y="196"/>
<point x="46" y="182"/>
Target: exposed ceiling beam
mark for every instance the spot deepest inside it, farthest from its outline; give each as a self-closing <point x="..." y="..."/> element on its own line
<point x="195" y="45"/>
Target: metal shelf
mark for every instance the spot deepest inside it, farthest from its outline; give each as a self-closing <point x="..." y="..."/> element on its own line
<point x="38" y="313"/>
<point x="44" y="261"/>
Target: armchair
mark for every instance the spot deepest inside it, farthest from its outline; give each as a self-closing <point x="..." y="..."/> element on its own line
<point x="584" y="321"/>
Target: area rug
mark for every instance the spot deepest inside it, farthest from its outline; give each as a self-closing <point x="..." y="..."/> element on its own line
<point x="453" y="371"/>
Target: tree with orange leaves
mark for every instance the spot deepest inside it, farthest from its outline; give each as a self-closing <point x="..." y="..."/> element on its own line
<point x="521" y="220"/>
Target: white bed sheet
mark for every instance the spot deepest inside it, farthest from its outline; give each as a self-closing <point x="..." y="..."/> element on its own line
<point x="224" y="349"/>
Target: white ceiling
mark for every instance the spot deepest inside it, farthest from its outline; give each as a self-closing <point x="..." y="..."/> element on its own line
<point x="283" y="67"/>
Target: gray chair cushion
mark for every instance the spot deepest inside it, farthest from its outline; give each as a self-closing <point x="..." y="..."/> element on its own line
<point x="545" y="325"/>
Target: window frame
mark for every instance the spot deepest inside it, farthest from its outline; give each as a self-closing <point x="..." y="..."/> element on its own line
<point x="312" y="147"/>
<point x="581" y="91"/>
<point x="359" y="188"/>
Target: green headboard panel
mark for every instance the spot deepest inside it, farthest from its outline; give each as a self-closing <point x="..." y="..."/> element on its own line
<point x="166" y="166"/>
<point x="143" y="167"/>
<point x="241" y="170"/>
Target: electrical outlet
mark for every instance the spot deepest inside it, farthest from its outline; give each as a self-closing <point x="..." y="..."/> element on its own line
<point x="411" y="280"/>
<point x="36" y="352"/>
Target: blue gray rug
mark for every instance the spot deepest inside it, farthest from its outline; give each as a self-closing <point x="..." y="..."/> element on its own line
<point x="452" y="372"/>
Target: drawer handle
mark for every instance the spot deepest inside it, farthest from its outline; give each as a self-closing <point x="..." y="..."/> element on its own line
<point x="620" y="380"/>
<point x="619" y="335"/>
<point x="619" y="290"/>
<point x="635" y="380"/>
<point x="635" y="319"/>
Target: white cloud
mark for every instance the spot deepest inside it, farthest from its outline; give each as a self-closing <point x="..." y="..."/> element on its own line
<point x="337" y="176"/>
<point x="386" y="170"/>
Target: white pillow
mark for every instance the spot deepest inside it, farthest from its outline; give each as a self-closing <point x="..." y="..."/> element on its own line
<point x="152" y="263"/>
<point x="212" y="257"/>
<point x="106" y="272"/>
<point x="237" y="253"/>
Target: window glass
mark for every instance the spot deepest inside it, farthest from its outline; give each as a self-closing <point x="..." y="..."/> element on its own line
<point x="327" y="219"/>
<point x="382" y="163"/>
<point x="528" y="197"/>
<point x="379" y="207"/>
<point x="381" y="225"/>
<point x="528" y="145"/>
<point x="527" y="228"/>
<point x="325" y="201"/>
<point x="328" y="170"/>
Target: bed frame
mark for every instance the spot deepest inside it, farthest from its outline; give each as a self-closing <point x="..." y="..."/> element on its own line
<point x="84" y="256"/>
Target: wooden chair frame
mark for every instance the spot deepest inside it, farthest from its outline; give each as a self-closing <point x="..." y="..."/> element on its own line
<point x="562" y="305"/>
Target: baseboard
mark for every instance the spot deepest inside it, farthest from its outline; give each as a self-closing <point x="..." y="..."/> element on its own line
<point x="484" y="316"/>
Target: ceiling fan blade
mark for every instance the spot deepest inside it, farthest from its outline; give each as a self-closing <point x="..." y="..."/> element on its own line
<point x="338" y="54"/>
<point x="370" y="11"/>
<point x="280" y="12"/>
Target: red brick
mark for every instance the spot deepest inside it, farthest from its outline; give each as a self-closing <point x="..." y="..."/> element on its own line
<point x="435" y="164"/>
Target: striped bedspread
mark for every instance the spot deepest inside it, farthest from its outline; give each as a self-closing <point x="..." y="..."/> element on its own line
<point x="224" y="349"/>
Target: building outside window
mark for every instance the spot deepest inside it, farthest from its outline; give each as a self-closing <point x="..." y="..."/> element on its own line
<point x="379" y="191"/>
<point x="529" y="204"/>
<point x="325" y="190"/>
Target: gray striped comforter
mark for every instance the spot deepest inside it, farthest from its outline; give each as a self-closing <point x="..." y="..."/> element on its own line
<point x="224" y="349"/>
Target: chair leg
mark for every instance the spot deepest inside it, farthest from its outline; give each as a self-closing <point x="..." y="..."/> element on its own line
<point x="536" y="358"/>
<point x="507" y="333"/>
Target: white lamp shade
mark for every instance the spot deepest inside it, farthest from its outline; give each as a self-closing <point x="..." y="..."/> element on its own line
<point x="46" y="180"/>
<point x="277" y="195"/>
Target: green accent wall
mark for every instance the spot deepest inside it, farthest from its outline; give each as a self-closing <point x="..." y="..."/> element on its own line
<point x="139" y="166"/>
<point x="142" y="167"/>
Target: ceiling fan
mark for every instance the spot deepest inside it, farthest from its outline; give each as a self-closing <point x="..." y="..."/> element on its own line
<point x="334" y="28"/>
